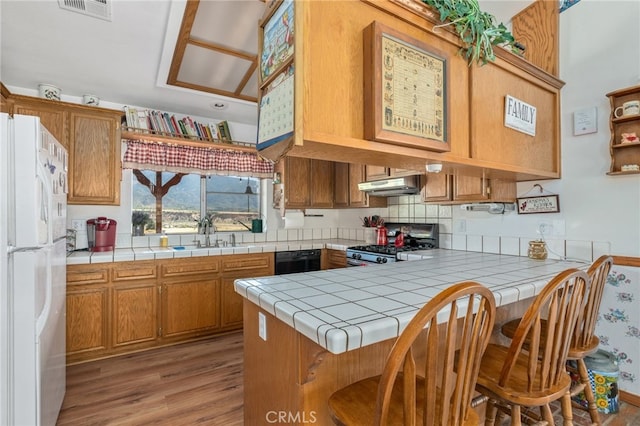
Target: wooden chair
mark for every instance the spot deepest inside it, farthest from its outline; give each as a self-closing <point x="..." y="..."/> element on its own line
<point x="514" y="377"/>
<point x="584" y="342"/>
<point x="442" y="397"/>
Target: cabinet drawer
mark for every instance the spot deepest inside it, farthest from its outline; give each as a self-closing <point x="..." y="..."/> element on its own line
<point x="249" y="263"/>
<point x="134" y="271"/>
<point x="186" y="267"/>
<point x="87" y="274"/>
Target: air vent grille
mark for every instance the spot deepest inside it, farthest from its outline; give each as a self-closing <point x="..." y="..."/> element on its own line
<point x="96" y="8"/>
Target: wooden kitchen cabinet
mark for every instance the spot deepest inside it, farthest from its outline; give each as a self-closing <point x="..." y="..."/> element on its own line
<point x="135" y="313"/>
<point x="307" y="183"/>
<point x="52" y="116"/>
<point x="121" y="307"/>
<point x="473" y="188"/>
<point x="347" y="194"/>
<point x="5" y="103"/>
<point x="447" y="189"/>
<point x="92" y="138"/>
<point x="240" y="266"/>
<point x="627" y="153"/>
<point x="134" y="303"/>
<point x="333" y="259"/>
<point x="87" y="328"/>
<point x="190" y="296"/>
<point x="436" y="187"/>
<point x="380" y="172"/>
<point x="95" y="171"/>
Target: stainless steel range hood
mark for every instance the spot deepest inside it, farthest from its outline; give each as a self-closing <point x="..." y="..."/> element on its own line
<point x="390" y="187"/>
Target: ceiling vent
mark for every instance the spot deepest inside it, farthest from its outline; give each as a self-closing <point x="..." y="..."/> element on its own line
<point x="96" y="8"/>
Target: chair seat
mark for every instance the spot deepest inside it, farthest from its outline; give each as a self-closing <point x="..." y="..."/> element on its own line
<point x="356" y="403"/>
<point x="515" y="389"/>
<point x="509" y="328"/>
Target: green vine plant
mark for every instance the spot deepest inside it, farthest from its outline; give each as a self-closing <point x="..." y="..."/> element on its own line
<point x="477" y="29"/>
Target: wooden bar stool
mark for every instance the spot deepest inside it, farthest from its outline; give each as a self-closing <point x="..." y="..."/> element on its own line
<point x="442" y="397"/>
<point x="533" y="376"/>
<point x="584" y="341"/>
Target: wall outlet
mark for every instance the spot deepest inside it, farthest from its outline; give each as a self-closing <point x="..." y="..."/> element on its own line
<point x="547" y="228"/>
<point x="460" y="226"/>
<point x="262" y="326"/>
<point x="79" y="225"/>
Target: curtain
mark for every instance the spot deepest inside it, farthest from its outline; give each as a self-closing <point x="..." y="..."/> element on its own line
<point x="157" y="156"/>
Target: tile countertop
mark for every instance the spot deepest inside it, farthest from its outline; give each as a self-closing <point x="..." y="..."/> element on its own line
<point x="344" y="309"/>
<point x="151" y="253"/>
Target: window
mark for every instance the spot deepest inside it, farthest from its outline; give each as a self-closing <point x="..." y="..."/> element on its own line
<point x="176" y="202"/>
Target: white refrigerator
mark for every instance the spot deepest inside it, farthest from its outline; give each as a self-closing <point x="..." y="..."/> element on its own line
<point x="33" y="205"/>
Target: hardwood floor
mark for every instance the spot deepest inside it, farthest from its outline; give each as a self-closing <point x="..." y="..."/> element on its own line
<point x="197" y="383"/>
<point x="188" y="384"/>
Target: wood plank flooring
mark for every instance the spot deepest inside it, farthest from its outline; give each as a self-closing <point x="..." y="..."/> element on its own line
<point x="197" y="383"/>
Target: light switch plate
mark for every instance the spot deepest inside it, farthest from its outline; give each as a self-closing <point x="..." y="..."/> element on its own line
<point x="585" y="121"/>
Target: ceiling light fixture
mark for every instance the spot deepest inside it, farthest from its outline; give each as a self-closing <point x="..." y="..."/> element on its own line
<point x="219" y="105"/>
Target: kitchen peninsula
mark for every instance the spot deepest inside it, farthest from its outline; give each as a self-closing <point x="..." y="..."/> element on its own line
<point x="307" y="335"/>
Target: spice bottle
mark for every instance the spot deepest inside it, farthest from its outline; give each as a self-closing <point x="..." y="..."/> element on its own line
<point x="164" y="240"/>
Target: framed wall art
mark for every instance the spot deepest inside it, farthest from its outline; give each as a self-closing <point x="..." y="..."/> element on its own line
<point x="540" y="204"/>
<point x="405" y="90"/>
<point x="277" y="40"/>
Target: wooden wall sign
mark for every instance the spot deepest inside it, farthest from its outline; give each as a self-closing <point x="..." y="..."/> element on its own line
<point x="405" y="97"/>
<point x="519" y="115"/>
<point x="541" y="204"/>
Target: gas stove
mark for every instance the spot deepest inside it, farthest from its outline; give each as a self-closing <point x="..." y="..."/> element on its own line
<point x="417" y="236"/>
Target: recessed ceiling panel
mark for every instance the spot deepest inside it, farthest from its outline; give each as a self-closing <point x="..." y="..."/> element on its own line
<point x="233" y="24"/>
<point x="205" y="67"/>
<point x="251" y="89"/>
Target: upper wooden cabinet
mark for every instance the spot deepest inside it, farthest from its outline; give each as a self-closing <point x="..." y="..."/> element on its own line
<point x="447" y="189"/>
<point x="95" y="170"/>
<point x="92" y="137"/>
<point x="379" y="172"/>
<point x="347" y="193"/>
<point x="5" y="102"/>
<point x="492" y="141"/>
<point x="329" y="96"/>
<point x="52" y="116"/>
<point x="307" y="183"/>
<point x="536" y="28"/>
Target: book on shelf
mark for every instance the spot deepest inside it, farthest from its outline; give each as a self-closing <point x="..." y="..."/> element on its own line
<point x="223" y="131"/>
<point x="161" y="123"/>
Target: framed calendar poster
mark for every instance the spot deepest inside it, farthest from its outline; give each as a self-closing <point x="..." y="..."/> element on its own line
<point x="405" y="92"/>
<point x="276" y="113"/>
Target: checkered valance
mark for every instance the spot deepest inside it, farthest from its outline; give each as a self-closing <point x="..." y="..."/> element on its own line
<point x="149" y="155"/>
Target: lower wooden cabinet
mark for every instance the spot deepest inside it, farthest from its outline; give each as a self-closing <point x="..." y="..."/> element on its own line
<point x="333" y="259"/>
<point x="231" y="308"/>
<point x="116" y="308"/>
<point x="87" y="321"/>
<point x="190" y="307"/>
<point x="135" y="314"/>
<point x="240" y="266"/>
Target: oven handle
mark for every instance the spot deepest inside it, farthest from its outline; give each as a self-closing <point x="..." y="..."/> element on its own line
<point x="354" y="262"/>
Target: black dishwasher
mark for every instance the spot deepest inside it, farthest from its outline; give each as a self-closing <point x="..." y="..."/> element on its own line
<point x="289" y="262"/>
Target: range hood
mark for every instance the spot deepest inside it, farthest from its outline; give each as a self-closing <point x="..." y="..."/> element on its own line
<point x="389" y="187"/>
